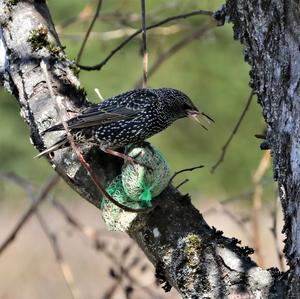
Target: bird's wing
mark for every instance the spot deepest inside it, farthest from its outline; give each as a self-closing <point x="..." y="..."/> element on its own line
<point x="95" y="116"/>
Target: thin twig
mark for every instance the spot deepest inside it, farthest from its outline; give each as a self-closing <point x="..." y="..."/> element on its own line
<point x="116" y="16"/>
<point x="146" y="289"/>
<point x="235" y="129"/>
<point x="10" y="176"/>
<point x="174" y="49"/>
<point x="64" y="267"/>
<point x="239" y="222"/>
<point x="182" y="183"/>
<point x="124" y="271"/>
<point x="257" y="203"/>
<point x="29" y="187"/>
<point x="44" y="191"/>
<point x="118" y="48"/>
<point x="59" y="108"/>
<point x="120" y="33"/>
<point x="118" y="274"/>
<point x="52" y="238"/>
<point x="145" y="50"/>
<point x="88" y="231"/>
<point x="91" y="234"/>
<point x="83" y="15"/>
<point x="221" y="208"/>
<point x="89" y="31"/>
<point x="184" y="170"/>
<point x="245" y="196"/>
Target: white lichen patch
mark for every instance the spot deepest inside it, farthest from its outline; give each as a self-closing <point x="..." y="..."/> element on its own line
<point x="259" y="277"/>
<point x="3" y="56"/>
<point x="156" y="232"/>
<point x="230" y="259"/>
<point x="282" y="192"/>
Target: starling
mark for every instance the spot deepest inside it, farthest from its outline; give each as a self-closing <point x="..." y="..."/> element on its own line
<point x="128" y="118"/>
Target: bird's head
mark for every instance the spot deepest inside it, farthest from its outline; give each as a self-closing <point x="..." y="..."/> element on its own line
<point x="180" y="105"/>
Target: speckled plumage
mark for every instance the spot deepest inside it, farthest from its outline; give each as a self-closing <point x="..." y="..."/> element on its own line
<point x="130" y="117"/>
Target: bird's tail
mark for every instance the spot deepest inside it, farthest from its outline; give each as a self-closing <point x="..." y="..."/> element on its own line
<point x="57" y="127"/>
<point x="58" y="145"/>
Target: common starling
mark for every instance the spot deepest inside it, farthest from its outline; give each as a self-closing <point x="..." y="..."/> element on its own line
<point x="128" y="118"/>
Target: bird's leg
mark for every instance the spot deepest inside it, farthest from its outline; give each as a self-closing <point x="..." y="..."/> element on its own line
<point x="121" y="155"/>
<point x="125" y="157"/>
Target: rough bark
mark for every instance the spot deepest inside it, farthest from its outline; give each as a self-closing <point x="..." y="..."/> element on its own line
<point x="269" y="30"/>
<point x="188" y="254"/>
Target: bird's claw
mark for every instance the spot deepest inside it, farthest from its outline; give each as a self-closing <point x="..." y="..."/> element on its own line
<point x="134" y="161"/>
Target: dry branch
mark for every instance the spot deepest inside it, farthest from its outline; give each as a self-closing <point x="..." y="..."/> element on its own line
<point x="193" y="36"/>
<point x="99" y="66"/>
<point x="232" y="134"/>
<point x="144" y="39"/>
<point x="257" y="203"/>
<point x="42" y="195"/>
<point x="80" y="52"/>
<point x="62" y="263"/>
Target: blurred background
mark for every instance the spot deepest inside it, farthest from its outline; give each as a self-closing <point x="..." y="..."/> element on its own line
<point x="240" y="198"/>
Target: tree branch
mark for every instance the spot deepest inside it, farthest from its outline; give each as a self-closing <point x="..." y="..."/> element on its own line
<point x="188" y="254"/>
<point x="99" y="66"/>
<point x="193" y="36"/>
<point x="63" y="265"/>
<point x="234" y="131"/>
<point x="144" y="39"/>
<point x="80" y="52"/>
<point x="30" y="211"/>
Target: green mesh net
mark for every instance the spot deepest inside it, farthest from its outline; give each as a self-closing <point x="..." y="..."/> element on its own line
<point x="116" y="218"/>
<point x="139" y="184"/>
<point x="142" y="183"/>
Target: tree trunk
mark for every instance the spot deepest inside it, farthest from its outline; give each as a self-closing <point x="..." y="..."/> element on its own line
<point x="188" y="254"/>
<point x="269" y="31"/>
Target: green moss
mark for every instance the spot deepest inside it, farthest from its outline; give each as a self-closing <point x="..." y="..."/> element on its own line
<point x="192" y="250"/>
<point x="39" y="39"/>
<point x="54" y="49"/>
<point x="193" y="241"/>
